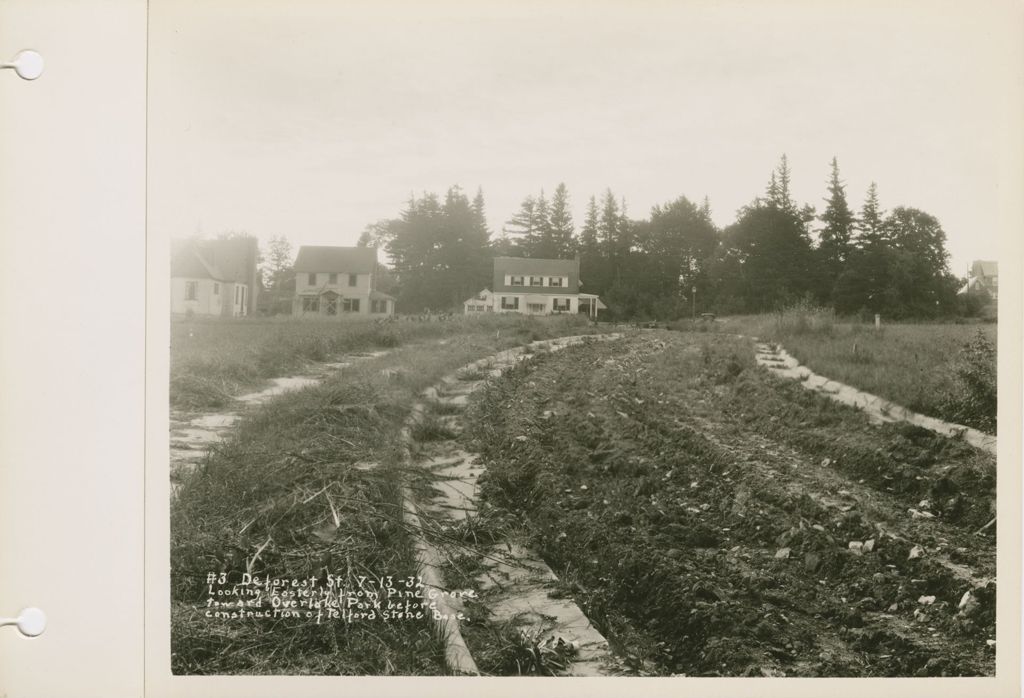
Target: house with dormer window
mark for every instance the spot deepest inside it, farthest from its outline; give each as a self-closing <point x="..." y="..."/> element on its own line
<point x="339" y="282"/>
<point x="535" y="287"/>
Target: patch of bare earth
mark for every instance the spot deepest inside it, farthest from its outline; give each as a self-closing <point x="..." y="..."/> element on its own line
<point x="712" y="519"/>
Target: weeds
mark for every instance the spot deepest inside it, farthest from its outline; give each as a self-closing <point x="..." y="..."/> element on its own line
<point x="430" y="428"/>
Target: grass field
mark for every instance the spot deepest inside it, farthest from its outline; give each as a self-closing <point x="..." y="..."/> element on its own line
<point x="309" y="484"/>
<point x="941" y="370"/>
<point x="212" y="360"/>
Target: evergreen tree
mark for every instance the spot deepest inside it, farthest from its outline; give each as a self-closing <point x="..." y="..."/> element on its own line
<point x="609" y="224"/>
<point x="440" y="251"/>
<point x="589" y="241"/>
<point x="521" y="228"/>
<point x="835" y="237"/>
<point x="870" y="231"/>
<point x="560" y="224"/>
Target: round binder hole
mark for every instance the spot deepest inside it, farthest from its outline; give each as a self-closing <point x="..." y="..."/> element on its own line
<point x="28" y="64"/>
<point x="31" y="622"/>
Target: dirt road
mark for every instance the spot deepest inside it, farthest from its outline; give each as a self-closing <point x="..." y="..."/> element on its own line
<point x="712" y="519"/>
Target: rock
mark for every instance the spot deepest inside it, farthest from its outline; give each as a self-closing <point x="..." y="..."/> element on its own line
<point x="825" y="462"/>
<point x="782" y="554"/>
<point x="894" y="607"/>
<point x="915" y="552"/>
<point x="673" y="553"/>
<point x="914" y="513"/>
<point x="583" y="487"/>
<point x="968" y="604"/>
<point x="812" y="561"/>
<point x="926" y="600"/>
<point x="818" y="527"/>
<point x="869" y="545"/>
<point x="856" y="547"/>
<point x="522" y="437"/>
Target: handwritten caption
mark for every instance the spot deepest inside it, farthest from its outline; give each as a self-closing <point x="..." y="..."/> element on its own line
<point x="360" y="598"/>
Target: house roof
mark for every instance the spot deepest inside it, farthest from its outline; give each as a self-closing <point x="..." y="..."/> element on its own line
<point x="187" y="262"/>
<point x="982" y="268"/>
<point x="223" y="259"/>
<point x="537" y="267"/>
<point x="350" y="260"/>
<point x="380" y="296"/>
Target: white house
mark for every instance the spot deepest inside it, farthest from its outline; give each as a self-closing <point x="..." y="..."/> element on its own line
<point x="339" y="282"/>
<point x="199" y="287"/>
<point x="535" y="287"/>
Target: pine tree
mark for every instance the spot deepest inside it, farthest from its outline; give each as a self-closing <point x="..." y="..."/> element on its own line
<point x="479" y="213"/>
<point x="539" y="243"/>
<point x="522" y="226"/>
<point x="560" y="223"/>
<point x="871" y="232"/>
<point x="608" y="225"/>
<point x="835" y="237"/>
<point x="588" y="233"/>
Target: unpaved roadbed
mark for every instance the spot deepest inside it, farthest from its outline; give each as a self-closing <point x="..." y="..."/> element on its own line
<point x="714" y="520"/>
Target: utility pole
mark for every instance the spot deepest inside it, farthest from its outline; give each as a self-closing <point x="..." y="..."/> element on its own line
<point x="693" y="301"/>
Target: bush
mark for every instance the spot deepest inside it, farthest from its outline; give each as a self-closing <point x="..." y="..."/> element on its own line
<point x="804" y="317"/>
<point x="975" y="400"/>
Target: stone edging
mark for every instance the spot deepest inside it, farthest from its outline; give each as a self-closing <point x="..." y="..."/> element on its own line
<point x="781" y="363"/>
<point x="457" y="655"/>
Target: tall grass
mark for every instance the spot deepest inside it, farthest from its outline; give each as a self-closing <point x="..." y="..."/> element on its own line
<point x="213" y="359"/>
<point x="289" y="495"/>
<point x="926" y="367"/>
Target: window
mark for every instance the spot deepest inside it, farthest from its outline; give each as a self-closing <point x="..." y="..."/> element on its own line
<point x="350" y="305"/>
<point x="331" y="305"/>
<point x="312" y="279"/>
<point x="560" y="304"/>
<point x="378" y="306"/>
<point x="190" y="290"/>
<point x="238" y="290"/>
<point x="516" y="281"/>
<point x="216" y="288"/>
<point x="510" y="302"/>
<point x="332" y="278"/>
<point x="555" y="281"/>
<point x="535" y="307"/>
<point x="353" y="279"/>
<point x="310" y="304"/>
<point x="536" y="280"/>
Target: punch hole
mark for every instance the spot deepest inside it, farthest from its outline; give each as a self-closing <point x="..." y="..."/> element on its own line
<point x="28" y="64"/>
<point x="31" y="622"/>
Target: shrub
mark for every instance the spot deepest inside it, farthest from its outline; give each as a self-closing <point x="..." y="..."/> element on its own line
<point x="804" y="317"/>
<point x="975" y="400"/>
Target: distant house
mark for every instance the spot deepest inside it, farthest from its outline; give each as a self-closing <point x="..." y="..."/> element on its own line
<point x="535" y="287"/>
<point x="214" y="277"/>
<point x="339" y="282"/>
<point x="984" y="276"/>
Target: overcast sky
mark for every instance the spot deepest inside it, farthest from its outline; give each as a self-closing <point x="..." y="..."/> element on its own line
<point x="312" y="119"/>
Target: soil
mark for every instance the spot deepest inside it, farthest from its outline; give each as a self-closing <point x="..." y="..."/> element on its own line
<point x="714" y="520"/>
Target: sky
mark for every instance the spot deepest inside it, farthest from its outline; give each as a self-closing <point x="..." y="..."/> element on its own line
<point x="312" y="119"/>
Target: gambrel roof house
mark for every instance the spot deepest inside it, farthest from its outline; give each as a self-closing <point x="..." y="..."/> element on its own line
<point x="535" y="287"/>
<point x="338" y="282"/>
<point x="214" y="277"/>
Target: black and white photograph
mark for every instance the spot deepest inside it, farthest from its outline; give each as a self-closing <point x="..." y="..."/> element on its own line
<point x="521" y="339"/>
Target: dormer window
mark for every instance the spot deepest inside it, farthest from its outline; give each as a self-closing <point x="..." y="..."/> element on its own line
<point x="516" y="281"/>
<point x="536" y="280"/>
<point x="555" y="281"/>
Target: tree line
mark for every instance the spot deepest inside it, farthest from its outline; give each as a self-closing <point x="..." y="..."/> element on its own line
<point x="676" y="260"/>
